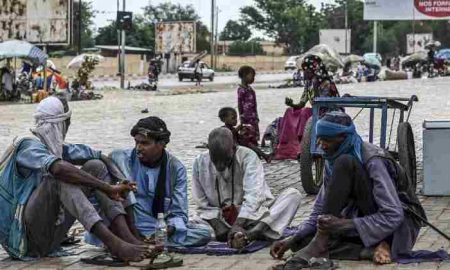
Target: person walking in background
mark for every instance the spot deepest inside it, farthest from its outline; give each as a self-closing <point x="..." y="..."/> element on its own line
<point x="247" y="106"/>
<point x="198" y="74"/>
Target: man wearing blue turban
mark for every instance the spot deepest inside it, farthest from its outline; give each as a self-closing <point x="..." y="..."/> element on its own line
<point x="359" y="211"/>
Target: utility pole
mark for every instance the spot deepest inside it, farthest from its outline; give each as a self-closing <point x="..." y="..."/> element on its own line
<point x="119" y="39"/>
<point x="122" y="58"/>
<point x="213" y="10"/>
<point x="375" y="34"/>
<point x="346" y="27"/>
<point x="216" y="44"/>
<point x="79" y="26"/>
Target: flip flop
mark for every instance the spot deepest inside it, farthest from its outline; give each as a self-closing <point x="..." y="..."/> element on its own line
<point x="164" y="261"/>
<point x="104" y="260"/>
<point x="300" y="262"/>
<point x="69" y="241"/>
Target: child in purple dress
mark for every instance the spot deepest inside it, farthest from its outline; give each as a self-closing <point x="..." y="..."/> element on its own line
<point x="247" y="106"/>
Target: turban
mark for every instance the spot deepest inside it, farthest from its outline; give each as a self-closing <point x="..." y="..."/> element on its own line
<point x="152" y="127"/>
<point x="51" y="125"/>
<point x="338" y="123"/>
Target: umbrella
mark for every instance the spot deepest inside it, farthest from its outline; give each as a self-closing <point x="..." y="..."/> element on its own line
<point x="22" y="49"/>
<point x="329" y="56"/>
<point x="443" y="54"/>
<point x="353" y="58"/>
<point x="432" y="44"/>
<point x="79" y="60"/>
<point x="372" y="60"/>
<point x="415" y="58"/>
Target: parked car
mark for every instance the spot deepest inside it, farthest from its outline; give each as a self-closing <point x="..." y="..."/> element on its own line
<point x="186" y="71"/>
<point x="374" y="55"/>
<point x="291" y="63"/>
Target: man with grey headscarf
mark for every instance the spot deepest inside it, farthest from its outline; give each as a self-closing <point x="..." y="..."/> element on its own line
<point x="232" y="196"/>
<point x="42" y="193"/>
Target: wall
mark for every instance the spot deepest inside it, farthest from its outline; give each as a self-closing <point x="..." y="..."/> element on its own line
<point x="259" y="62"/>
<point x="134" y="65"/>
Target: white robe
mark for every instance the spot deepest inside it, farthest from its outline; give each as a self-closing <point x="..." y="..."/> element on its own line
<point x="251" y="192"/>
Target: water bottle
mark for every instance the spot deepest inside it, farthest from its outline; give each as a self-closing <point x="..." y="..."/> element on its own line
<point x="161" y="234"/>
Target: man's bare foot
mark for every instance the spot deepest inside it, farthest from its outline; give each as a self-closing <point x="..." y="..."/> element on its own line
<point x="382" y="254"/>
<point x="129" y="252"/>
<point x="318" y="247"/>
<point x="238" y="241"/>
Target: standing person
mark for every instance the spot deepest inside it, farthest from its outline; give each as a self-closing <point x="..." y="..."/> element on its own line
<point x="43" y="192"/>
<point x="318" y="83"/>
<point x="198" y="73"/>
<point x="431" y="55"/>
<point x="247" y="106"/>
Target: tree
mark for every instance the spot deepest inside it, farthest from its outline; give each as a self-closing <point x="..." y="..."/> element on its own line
<point x="141" y="35"/>
<point x="291" y="22"/>
<point x="168" y="12"/>
<point x="240" y="47"/>
<point x="235" y="31"/>
<point x="87" y="22"/>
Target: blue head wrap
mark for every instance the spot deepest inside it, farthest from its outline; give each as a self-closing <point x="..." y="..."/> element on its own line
<point x="351" y="145"/>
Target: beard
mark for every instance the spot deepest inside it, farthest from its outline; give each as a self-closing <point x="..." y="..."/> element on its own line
<point x="225" y="174"/>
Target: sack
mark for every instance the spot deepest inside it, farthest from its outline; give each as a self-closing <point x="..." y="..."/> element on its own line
<point x="230" y="214"/>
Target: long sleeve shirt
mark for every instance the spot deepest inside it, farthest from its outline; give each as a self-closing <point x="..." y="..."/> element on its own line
<point x="374" y="228"/>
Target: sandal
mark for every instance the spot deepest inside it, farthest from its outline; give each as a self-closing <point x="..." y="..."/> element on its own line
<point x="164" y="261"/>
<point x="104" y="260"/>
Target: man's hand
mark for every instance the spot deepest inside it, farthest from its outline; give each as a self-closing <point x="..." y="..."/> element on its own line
<point x="278" y="249"/>
<point x="120" y="191"/>
<point x="170" y="231"/>
<point x="334" y="224"/>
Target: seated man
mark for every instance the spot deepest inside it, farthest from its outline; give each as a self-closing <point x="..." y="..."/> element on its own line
<point x="232" y="196"/>
<point x="359" y="211"/>
<point x="42" y="193"/>
<point x="161" y="184"/>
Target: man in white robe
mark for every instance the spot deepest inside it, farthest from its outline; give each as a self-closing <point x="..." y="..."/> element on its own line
<point x="232" y="196"/>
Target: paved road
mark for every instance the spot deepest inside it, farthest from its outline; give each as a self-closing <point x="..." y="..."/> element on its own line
<point x="172" y="81"/>
<point x="105" y="124"/>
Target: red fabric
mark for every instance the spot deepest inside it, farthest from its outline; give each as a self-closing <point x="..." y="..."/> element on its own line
<point x="290" y="133"/>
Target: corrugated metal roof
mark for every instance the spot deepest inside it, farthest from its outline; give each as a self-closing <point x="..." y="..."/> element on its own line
<point x="127" y="48"/>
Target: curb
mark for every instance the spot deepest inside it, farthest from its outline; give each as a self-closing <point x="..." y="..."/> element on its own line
<point x="168" y="76"/>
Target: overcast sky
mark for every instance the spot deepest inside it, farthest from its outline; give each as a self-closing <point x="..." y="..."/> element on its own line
<point x="229" y="9"/>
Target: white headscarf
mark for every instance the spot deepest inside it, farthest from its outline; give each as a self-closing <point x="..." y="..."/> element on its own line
<point x="51" y="127"/>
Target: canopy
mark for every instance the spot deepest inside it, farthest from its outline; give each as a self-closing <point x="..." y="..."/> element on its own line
<point x="22" y="49"/>
<point x="432" y="44"/>
<point x="329" y="56"/>
<point x="372" y="60"/>
<point x="443" y="54"/>
<point x="79" y="60"/>
<point x="353" y="58"/>
<point x="414" y="58"/>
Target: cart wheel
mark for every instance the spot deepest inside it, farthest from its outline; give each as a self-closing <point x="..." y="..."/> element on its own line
<point x="311" y="168"/>
<point x="407" y="151"/>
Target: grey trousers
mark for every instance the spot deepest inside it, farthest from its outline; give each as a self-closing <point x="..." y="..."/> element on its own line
<point x="54" y="206"/>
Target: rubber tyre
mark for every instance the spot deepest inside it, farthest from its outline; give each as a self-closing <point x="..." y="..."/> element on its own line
<point x="180" y="78"/>
<point x="311" y="168"/>
<point x="211" y="78"/>
<point x="407" y="151"/>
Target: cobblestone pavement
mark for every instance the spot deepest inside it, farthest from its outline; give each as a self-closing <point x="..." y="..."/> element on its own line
<point x="105" y="124"/>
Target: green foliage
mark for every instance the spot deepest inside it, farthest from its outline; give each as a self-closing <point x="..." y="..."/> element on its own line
<point x="235" y="31"/>
<point x="143" y="32"/>
<point x="83" y="73"/>
<point x="87" y="23"/>
<point x="297" y="24"/>
<point x="291" y="22"/>
<point x="245" y="47"/>
<point x="141" y="35"/>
